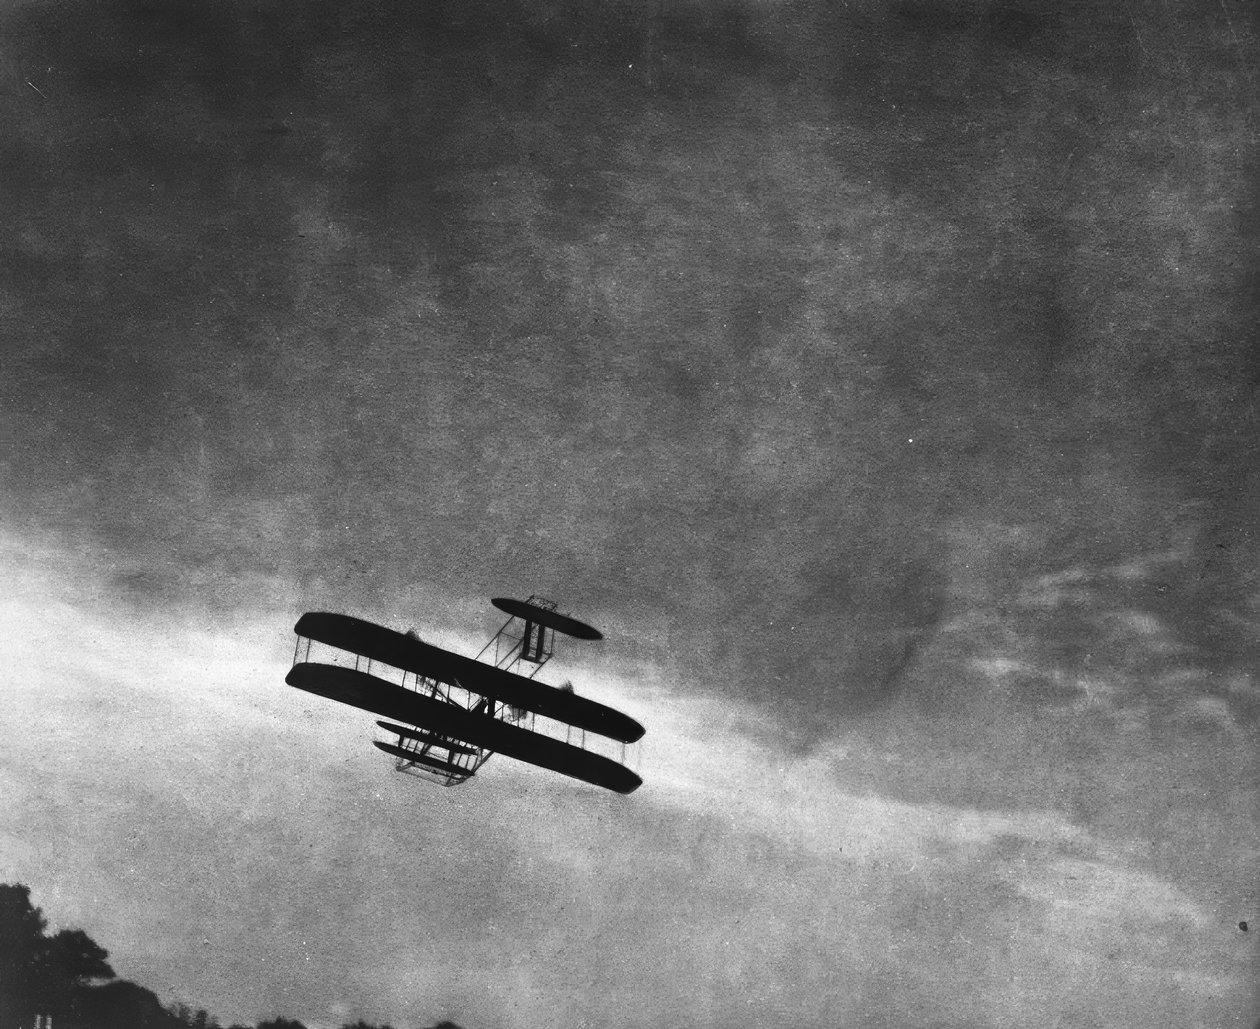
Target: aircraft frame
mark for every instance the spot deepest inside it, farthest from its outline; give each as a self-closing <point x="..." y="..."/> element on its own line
<point x="451" y="713"/>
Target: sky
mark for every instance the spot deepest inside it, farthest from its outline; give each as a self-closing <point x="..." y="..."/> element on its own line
<point x="879" y="377"/>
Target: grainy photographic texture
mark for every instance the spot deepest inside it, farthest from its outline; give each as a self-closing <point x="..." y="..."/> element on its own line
<point x="879" y="376"/>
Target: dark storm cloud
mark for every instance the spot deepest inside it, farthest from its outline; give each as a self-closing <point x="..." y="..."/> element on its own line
<point x="715" y="315"/>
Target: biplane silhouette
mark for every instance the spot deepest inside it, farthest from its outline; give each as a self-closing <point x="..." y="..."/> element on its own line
<point x="449" y="713"/>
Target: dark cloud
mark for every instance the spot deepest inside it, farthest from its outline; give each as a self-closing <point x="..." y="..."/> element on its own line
<point x="711" y="318"/>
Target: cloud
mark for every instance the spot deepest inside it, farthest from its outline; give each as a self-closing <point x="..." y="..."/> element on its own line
<point x="488" y="294"/>
<point x="249" y="853"/>
<point x="875" y="367"/>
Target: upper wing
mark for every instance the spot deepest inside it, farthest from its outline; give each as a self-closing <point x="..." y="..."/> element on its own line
<point x="395" y="648"/>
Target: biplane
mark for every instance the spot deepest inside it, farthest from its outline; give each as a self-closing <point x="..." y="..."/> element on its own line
<point x="445" y="714"/>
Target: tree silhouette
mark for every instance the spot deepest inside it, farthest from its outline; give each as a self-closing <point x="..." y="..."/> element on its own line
<point x="199" y="1019"/>
<point x="21" y="952"/>
<point x="121" y="1004"/>
<point x="69" y="962"/>
<point x="42" y="975"/>
<point x="280" y="1023"/>
<point x="76" y="959"/>
<point x="68" y="976"/>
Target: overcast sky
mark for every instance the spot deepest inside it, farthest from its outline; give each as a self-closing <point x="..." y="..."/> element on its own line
<point x="880" y="378"/>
